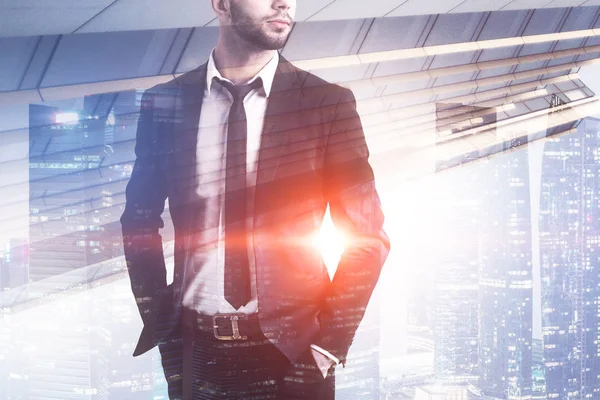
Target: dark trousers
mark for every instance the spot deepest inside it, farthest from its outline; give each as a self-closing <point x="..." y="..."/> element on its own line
<point x="197" y="366"/>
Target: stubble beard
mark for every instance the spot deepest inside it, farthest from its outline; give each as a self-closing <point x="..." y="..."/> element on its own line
<point x="251" y="31"/>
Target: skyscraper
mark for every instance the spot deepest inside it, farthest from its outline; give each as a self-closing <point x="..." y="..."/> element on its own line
<point x="456" y="272"/>
<point x="505" y="280"/>
<point x="360" y="380"/>
<point x="569" y="246"/>
<point x="72" y="226"/>
<point x="61" y="150"/>
<point x="73" y="181"/>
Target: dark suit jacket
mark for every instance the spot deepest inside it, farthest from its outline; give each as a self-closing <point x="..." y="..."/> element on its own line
<point x="312" y="153"/>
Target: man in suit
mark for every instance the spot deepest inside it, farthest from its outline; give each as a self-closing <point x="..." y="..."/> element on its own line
<point x="249" y="151"/>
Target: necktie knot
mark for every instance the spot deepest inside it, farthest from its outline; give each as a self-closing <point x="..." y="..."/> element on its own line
<point x="239" y="92"/>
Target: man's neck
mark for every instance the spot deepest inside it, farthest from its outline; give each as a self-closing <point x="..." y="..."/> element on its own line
<point x="239" y="65"/>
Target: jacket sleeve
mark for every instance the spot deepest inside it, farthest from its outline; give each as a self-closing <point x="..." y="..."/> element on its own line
<point x="356" y="211"/>
<point x="145" y="201"/>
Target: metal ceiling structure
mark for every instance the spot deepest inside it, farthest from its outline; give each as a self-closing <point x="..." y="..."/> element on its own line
<point x="42" y="68"/>
<point x="49" y="17"/>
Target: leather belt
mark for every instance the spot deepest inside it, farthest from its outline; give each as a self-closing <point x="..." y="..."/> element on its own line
<point x="227" y="327"/>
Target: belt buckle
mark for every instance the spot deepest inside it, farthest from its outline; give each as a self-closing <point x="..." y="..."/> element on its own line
<point x="233" y="318"/>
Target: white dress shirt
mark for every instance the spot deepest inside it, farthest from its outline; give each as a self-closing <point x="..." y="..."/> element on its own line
<point x="205" y="277"/>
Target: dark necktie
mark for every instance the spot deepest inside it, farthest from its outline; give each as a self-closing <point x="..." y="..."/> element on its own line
<point x="237" y="267"/>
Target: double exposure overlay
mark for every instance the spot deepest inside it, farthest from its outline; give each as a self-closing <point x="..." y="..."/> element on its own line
<point x="404" y="204"/>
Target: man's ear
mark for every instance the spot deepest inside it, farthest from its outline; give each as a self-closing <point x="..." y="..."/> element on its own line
<point x="220" y="6"/>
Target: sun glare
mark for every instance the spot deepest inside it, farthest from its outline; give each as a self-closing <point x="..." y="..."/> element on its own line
<point x="330" y="243"/>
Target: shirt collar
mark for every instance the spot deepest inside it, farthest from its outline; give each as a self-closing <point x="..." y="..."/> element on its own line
<point x="267" y="73"/>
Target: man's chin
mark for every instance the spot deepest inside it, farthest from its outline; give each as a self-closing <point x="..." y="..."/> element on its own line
<point x="273" y="41"/>
<point x="272" y="46"/>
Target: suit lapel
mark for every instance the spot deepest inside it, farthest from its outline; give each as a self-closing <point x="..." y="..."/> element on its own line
<point x="187" y="117"/>
<point x="280" y="117"/>
<point x="188" y="108"/>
